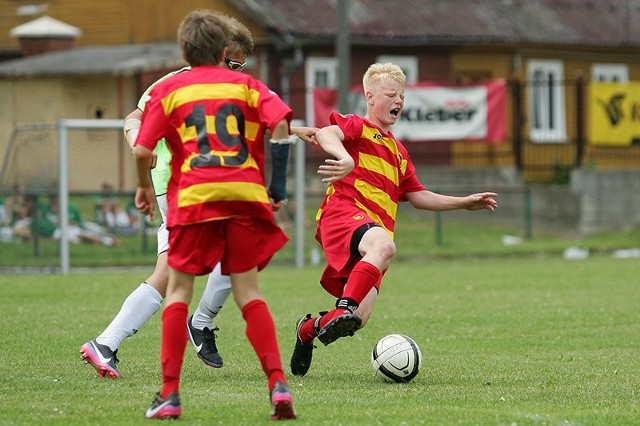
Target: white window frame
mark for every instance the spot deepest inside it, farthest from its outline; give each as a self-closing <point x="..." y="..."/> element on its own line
<point x="409" y="65"/>
<point x="313" y="67"/>
<point x="547" y="117"/>
<point x="614" y="73"/>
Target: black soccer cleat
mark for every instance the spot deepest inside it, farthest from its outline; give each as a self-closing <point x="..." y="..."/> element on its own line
<point x="204" y="341"/>
<point x="302" y="352"/>
<point x="341" y="326"/>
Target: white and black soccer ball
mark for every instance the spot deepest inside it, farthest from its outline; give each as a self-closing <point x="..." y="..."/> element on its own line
<point x="396" y="358"/>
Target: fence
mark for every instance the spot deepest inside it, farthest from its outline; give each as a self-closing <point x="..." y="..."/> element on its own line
<point x="30" y="166"/>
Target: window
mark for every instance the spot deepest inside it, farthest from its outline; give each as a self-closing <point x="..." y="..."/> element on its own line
<point x="408" y="64"/>
<point x="319" y="72"/>
<point x="615" y="73"/>
<point x="545" y="92"/>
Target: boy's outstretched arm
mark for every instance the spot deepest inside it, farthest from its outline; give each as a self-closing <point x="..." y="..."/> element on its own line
<point x="427" y="200"/>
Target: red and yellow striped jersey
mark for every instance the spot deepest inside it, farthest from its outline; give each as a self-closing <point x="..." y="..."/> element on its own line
<point x="214" y="121"/>
<point x="383" y="171"/>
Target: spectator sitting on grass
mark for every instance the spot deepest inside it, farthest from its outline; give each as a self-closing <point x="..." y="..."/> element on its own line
<point x="78" y="230"/>
<point x="109" y="212"/>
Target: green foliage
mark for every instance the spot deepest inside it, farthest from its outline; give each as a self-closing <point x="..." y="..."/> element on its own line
<point x="522" y="341"/>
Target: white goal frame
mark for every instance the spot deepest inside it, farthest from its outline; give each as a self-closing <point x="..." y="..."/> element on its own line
<point x="63" y="176"/>
<point x="63" y="185"/>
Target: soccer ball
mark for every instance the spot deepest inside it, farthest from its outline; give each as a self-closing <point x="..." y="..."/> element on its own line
<point x="396" y="358"/>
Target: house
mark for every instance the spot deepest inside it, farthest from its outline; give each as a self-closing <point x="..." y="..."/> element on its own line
<point x="547" y="51"/>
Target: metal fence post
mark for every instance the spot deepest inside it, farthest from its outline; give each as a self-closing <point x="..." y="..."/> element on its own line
<point x="528" y="215"/>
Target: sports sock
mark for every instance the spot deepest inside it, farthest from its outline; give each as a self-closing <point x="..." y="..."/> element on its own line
<point x="324" y="320"/>
<point x="308" y="331"/>
<point x="213" y="297"/>
<point x="136" y="310"/>
<point x="174" y="342"/>
<point x="261" y="332"/>
<point x="362" y="279"/>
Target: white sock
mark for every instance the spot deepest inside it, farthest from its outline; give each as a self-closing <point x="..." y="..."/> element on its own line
<point x="213" y="297"/>
<point x="136" y="310"/>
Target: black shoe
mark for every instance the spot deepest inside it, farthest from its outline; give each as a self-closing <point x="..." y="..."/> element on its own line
<point x="302" y="352"/>
<point x="341" y="326"/>
<point x="205" y="343"/>
<point x="160" y="408"/>
<point x="281" y="402"/>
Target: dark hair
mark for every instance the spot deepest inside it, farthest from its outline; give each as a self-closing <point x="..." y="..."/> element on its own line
<point x="203" y="35"/>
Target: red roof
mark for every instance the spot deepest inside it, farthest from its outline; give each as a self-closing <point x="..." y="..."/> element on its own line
<point x="561" y="22"/>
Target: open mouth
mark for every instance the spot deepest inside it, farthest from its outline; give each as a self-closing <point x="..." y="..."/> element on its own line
<point x="394" y="112"/>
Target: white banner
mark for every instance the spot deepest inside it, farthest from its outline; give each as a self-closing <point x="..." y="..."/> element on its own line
<point x="440" y="113"/>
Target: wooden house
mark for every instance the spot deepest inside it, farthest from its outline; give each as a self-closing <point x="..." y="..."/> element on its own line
<point x="546" y="51"/>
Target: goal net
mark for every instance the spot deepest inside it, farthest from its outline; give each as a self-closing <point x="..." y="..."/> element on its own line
<point x="79" y="156"/>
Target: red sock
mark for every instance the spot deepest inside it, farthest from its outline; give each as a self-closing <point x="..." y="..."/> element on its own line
<point x="307" y="331"/>
<point x="362" y="279"/>
<point x="261" y="332"/>
<point x="174" y="342"/>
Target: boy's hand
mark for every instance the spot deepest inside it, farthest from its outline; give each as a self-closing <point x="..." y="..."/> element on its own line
<point x="146" y="201"/>
<point x="307" y="134"/>
<point x="336" y="169"/>
<point x="482" y="200"/>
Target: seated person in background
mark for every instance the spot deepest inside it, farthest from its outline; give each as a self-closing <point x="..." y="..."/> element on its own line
<point x="4" y="214"/>
<point x="109" y="211"/>
<point x="5" y="221"/>
<point x="78" y="230"/>
<point x="22" y="210"/>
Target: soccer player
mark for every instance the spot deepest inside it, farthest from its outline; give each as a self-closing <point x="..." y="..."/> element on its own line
<point x="369" y="174"/>
<point x="219" y="210"/>
<point x="146" y="299"/>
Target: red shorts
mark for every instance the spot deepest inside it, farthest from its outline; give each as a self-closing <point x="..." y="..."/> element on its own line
<point x="335" y="229"/>
<point x="239" y="243"/>
<point x="336" y="226"/>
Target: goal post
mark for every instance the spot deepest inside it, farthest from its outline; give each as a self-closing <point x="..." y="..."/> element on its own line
<point x="63" y="176"/>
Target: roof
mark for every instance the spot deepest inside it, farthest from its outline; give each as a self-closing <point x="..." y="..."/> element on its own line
<point x="428" y="22"/>
<point x="99" y="60"/>
<point x="45" y="26"/>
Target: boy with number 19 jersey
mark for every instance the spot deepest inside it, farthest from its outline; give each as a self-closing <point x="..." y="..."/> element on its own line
<point x="219" y="211"/>
<point x="225" y="179"/>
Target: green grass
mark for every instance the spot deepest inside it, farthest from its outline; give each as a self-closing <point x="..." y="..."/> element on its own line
<point x="506" y="341"/>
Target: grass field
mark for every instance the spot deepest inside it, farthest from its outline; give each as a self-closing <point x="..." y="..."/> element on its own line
<point x="506" y="341"/>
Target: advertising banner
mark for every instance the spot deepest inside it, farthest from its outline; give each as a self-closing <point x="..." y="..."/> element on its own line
<point x="436" y="112"/>
<point x="614" y="113"/>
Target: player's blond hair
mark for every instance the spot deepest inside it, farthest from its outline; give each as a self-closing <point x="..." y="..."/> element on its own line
<point x="378" y="72"/>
